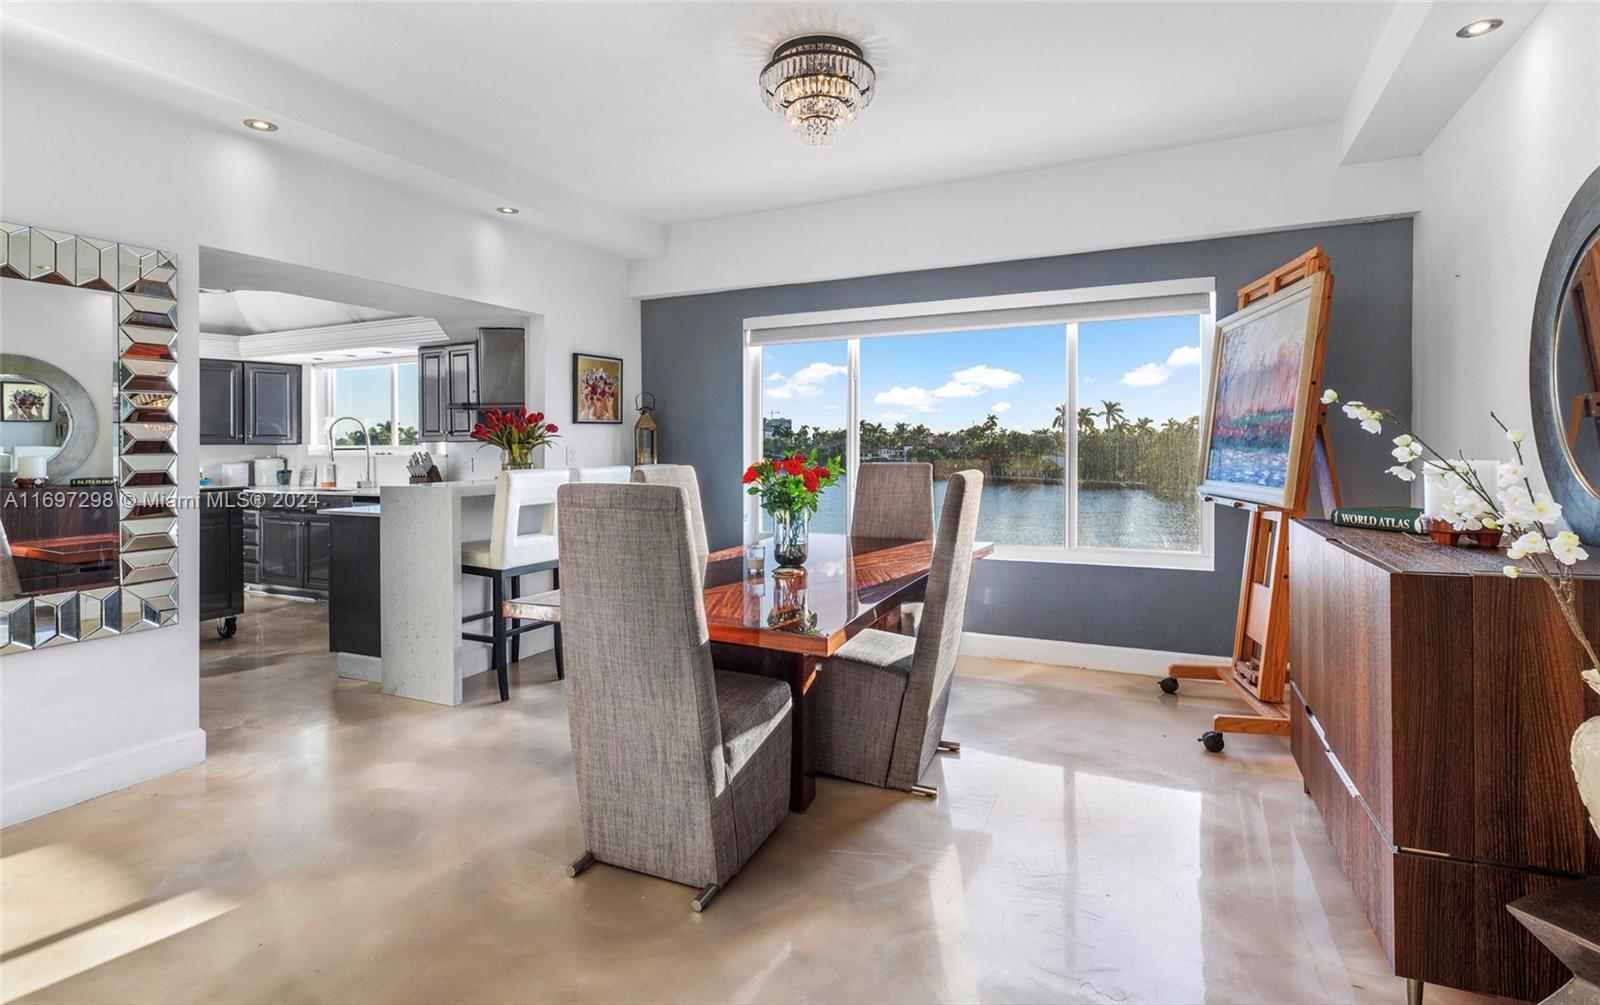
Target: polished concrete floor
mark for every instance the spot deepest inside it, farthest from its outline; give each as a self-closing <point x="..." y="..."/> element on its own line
<point x="338" y="845"/>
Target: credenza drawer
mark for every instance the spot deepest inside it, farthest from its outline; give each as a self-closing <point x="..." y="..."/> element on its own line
<point x="1363" y="854"/>
<point x="1439" y="919"/>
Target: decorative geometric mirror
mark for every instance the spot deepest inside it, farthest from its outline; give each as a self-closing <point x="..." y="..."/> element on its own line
<point x="140" y="590"/>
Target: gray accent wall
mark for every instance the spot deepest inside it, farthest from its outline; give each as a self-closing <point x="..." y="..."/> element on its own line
<point x="692" y="360"/>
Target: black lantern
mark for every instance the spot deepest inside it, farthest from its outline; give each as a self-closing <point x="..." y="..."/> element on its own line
<point x="646" y="442"/>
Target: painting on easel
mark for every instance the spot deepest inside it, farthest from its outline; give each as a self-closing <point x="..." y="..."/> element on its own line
<point x="1259" y="414"/>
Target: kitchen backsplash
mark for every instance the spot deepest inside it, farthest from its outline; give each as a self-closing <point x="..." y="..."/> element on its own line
<point x="464" y="462"/>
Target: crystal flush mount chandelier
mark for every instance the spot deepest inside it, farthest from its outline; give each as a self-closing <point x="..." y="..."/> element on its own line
<point x="816" y="84"/>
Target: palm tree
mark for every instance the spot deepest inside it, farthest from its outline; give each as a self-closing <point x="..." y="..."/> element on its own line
<point x="1113" y="412"/>
<point x="1059" y="423"/>
<point x="1086" y="420"/>
<point x="1144" y="425"/>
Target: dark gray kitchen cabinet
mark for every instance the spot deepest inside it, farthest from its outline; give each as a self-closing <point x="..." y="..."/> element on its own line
<point x="319" y="552"/>
<point x="244" y="402"/>
<point x="447" y="375"/>
<point x="431" y="391"/>
<point x="221" y="401"/>
<point x="355" y="604"/>
<point x="222" y="555"/>
<point x="283" y="548"/>
<point x="271" y="403"/>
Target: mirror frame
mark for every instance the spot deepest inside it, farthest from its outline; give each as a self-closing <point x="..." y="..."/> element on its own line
<point x="143" y="285"/>
<point x="84" y="432"/>
<point x="1579" y="224"/>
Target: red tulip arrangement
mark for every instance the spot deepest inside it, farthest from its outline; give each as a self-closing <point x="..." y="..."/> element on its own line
<point x="791" y="484"/>
<point x="516" y="432"/>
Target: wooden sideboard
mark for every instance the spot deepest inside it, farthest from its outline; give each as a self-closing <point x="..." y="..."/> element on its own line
<point x="1432" y="700"/>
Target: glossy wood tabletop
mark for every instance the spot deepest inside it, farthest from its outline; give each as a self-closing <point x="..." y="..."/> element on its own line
<point x="82" y="549"/>
<point x="847" y="585"/>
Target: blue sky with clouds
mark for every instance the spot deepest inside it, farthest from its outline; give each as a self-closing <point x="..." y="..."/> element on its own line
<point x="363" y="391"/>
<point x="950" y="381"/>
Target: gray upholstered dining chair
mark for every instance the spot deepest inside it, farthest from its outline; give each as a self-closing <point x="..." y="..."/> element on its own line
<point x="683" y="476"/>
<point x="683" y="770"/>
<point x="880" y="701"/>
<point x="893" y="500"/>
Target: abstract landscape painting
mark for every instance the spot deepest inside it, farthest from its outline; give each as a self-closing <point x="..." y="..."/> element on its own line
<point x="1259" y="387"/>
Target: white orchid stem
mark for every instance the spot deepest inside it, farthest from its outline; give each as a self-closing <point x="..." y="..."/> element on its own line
<point x="1561" y="584"/>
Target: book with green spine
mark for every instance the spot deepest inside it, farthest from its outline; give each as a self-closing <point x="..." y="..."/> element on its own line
<point x="1402" y="519"/>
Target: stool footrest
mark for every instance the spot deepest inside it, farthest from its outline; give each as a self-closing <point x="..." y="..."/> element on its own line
<point x="519" y="630"/>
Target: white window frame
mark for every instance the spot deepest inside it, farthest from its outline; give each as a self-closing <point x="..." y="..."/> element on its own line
<point x="323" y="379"/>
<point x="1077" y="306"/>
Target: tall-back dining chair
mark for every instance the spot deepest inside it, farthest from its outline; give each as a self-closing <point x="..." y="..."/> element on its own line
<point x="509" y="554"/>
<point x="683" y="476"/>
<point x="893" y="500"/>
<point x="550" y="600"/>
<point x="682" y="770"/>
<point x="881" y="699"/>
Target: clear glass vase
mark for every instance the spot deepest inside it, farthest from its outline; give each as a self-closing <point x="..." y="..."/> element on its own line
<point x="519" y="456"/>
<point x="790" y="529"/>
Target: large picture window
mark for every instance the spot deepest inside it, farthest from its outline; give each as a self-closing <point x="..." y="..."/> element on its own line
<point x="383" y="396"/>
<point x="1085" y="425"/>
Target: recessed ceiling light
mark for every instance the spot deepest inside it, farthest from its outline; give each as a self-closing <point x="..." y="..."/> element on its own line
<point x="1482" y="26"/>
<point x="507" y="210"/>
<point x="261" y="125"/>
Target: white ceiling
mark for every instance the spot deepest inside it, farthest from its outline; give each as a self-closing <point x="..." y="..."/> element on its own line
<point x="252" y="312"/>
<point x="653" y="107"/>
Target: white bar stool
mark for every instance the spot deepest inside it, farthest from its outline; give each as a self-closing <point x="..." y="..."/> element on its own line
<point x="509" y="555"/>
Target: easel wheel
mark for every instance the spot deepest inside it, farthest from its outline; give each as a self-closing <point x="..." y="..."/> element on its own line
<point x="1213" y="741"/>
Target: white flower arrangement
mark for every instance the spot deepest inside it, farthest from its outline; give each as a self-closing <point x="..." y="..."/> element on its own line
<point x="1466" y="503"/>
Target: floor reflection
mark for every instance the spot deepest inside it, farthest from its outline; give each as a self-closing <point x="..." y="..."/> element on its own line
<point x="341" y="846"/>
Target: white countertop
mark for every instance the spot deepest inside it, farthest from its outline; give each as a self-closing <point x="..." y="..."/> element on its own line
<point x="291" y="489"/>
<point x="481" y="487"/>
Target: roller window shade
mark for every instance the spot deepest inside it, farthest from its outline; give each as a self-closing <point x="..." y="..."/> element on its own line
<point x="967" y="320"/>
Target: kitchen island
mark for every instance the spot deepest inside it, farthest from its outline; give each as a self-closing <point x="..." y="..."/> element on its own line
<point x="424" y="595"/>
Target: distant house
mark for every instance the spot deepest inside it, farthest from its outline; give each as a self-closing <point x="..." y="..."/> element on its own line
<point x="776" y="425"/>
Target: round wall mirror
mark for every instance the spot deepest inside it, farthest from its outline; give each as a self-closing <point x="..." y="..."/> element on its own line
<point x="46" y="414"/>
<point x="1565" y="370"/>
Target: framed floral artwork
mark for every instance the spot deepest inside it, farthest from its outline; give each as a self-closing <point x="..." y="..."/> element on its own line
<point x="596" y="388"/>
<point x="26" y="401"/>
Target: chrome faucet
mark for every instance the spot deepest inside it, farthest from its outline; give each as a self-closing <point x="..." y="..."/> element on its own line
<point x="371" y="481"/>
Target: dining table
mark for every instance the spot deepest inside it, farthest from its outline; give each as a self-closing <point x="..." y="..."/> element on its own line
<point x="786" y="622"/>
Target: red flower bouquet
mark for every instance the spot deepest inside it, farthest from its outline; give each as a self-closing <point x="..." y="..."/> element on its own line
<point x="790" y="488"/>
<point x="516" y="432"/>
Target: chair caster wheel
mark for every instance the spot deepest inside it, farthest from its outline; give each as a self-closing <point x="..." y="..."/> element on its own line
<point x="227" y="628"/>
<point x="1212" y="740"/>
<point x="1169" y="685"/>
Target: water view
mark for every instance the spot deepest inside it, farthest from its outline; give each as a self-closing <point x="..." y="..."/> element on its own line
<point x="1036" y="515"/>
<point x="994" y="401"/>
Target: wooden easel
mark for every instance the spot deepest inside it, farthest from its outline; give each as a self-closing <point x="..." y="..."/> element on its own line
<point x="1259" y="671"/>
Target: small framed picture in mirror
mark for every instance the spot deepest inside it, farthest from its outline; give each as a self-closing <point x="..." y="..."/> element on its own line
<point x="25" y="401"/>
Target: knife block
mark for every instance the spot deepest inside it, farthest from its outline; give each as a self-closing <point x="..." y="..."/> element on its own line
<point x="431" y="476"/>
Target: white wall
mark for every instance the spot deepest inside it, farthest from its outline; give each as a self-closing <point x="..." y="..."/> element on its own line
<point x="75" y="330"/>
<point x="1494" y="185"/>
<point x="84" y="155"/>
<point x="1274" y="181"/>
